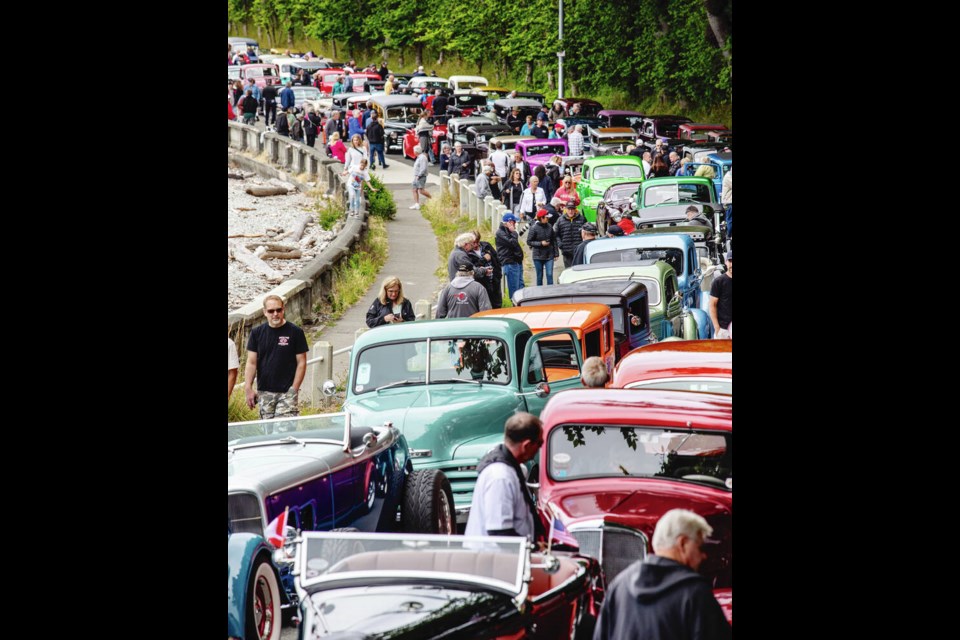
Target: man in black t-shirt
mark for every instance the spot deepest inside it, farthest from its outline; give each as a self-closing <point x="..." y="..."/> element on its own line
<point x="277" y="359"/>
<point x="721" y="300"/>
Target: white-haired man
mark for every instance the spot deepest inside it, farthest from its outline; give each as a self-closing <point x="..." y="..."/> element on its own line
<point x="662" y="597"/>
<point x="419" y="177"/>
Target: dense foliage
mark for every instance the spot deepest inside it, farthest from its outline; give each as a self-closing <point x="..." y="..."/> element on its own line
<point x="665" y="51"/>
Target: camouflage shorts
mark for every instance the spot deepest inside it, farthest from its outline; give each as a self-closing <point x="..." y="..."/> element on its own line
<point x="274" y="404"/>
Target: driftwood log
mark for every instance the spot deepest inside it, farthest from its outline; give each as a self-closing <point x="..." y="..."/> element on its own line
<point x="234" y="176"/>
<point x="252" y="262"/>
<point x="281" y="251"/>
<point x="261" y="192"/>
<point x="298" y="228"/>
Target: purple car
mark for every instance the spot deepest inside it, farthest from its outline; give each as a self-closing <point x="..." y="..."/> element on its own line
<point x="536" y="152"/>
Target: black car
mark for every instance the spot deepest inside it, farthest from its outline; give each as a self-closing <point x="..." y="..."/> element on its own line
<point x="397" y="114"/>
<point x="526" y="107"/>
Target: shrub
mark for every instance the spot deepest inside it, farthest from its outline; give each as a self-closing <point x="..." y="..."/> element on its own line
<point x="381" y="202"/>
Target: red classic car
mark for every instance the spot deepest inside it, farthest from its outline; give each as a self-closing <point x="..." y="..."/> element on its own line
<point x="686" y="365"/>
<point x="262" y="74"/>
<point x="438" y="136"/>
<point x="698" y="131"/>
<point x="615" y="460"/>
<point x="328" y="78"/>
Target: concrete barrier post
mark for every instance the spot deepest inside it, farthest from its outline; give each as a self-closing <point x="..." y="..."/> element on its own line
<point x="423" y="310"/>
<point x="455" y="189"/>
<point x="489" y="205"/>
<point x="464" y="197"/>
<point x="444" y="182"/>
<point x="320" y="372"/>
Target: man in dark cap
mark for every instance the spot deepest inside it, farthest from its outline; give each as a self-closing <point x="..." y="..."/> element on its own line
<point x="613" y="231"/>
<point x="510" y="253"/>
<point x="464" y="296"/>
<point x="568" y="231"/>
<point x="588" y="233"/>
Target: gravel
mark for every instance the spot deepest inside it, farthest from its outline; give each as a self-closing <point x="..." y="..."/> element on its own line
<point x="270" y="216"/>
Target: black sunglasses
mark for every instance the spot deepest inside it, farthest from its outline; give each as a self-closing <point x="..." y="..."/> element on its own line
<point x="280" y="310"/>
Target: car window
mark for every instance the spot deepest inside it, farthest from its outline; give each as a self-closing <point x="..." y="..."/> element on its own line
<point x="559" y="357"/>
<point x="592" y="343"/>
<point x="617" y="171"/>
<point x="598" y="451"/>
<point x="670" y="288"/>
<point x="469" y="359"/>
<point x="639" y="315"/>
<point x="673" y="257"/>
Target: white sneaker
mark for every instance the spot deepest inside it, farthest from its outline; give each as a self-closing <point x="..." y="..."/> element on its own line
<point x="415" y="205"/>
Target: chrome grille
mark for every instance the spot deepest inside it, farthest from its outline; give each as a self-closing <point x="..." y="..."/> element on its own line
<point x="616" y="547"/>
<point x="243" y="509"/>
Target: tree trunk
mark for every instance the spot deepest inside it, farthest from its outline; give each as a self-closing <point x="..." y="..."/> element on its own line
<point x="403" y="62"/>
<point x="334" y="43"/>
<point x="480" y="66"/>
<point x="719" y="24"/>
<point x="529" y="77"/>
<point x="419" y="54"/>
<point x="245" y="32"/>
<point x="259" y="34"/>
<point x="550" y="81"/>
<point x="440" y="59"/>
<point x="290" y="37"/>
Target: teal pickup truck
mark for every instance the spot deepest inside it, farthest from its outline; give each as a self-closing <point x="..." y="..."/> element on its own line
<point x="449" y="386"/>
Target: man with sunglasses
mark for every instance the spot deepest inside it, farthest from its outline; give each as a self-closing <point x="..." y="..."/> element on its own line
<point x="277" y="360"/>
<point x="663" y="597"/>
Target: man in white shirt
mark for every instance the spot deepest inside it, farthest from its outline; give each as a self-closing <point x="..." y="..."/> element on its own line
<point x="500" y="161"/>
<point x="575" y="140"/>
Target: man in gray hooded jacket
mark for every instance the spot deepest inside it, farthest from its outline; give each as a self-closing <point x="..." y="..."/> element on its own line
<point x="662" y="597"/>
<point x="464" y="296"/>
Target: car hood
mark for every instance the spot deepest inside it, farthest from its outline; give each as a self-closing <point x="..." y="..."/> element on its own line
<point x="264" y="468"/>
<point x="439" y="417"/>
<point x="635" y="502"/>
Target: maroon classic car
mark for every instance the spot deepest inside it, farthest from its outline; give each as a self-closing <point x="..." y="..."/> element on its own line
<point x="615" y="118"/>
<point x="614" y="460"/>
<point x="685" y="365"/>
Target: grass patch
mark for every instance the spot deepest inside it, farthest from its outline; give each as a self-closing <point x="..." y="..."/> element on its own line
<point x="329" y="212"/>
<point x="237" y="410"/>
<point x="354" y="276"/>
<point x="447" y="224"/>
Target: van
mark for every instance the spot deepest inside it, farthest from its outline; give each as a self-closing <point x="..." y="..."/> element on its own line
<point x="591" y="322"/>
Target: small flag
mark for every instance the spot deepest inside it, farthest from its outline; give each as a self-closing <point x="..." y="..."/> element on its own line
<point x="275" y="530"/>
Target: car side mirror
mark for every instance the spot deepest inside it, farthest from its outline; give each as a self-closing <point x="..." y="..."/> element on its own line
<point x="543" y="390"/>
<point x="329" y="388"/>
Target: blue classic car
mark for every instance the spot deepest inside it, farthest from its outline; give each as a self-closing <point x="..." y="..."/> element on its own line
<point x="326" y="473"/>
<point x="720" y="163"/>
<point x="254" y="596"/>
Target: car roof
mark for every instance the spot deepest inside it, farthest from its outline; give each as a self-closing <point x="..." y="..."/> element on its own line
<point x="724" y="157"/>
<point x="517" y="102"/>
<point x="552" y="316"/>
<point x="652" y="182"/>
<point x="652" y="240"/>
<point x="616" y="112"/>
<point x="642" y="407"/>
<point x="607" y="160"/>
<point x="504" y="328"/>
<point x="615" y="288"/>
<point x="396" y="100"/>
<point x="420" y="79"/>
<point x="680" y="358"/>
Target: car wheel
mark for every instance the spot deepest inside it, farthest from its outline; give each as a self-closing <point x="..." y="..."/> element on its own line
<point x="428" y="503"/>
<point x="263" y="603"/>
<point x="371" y="491"/>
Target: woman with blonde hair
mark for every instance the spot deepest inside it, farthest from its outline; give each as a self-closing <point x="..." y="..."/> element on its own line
<point x="356" y="151"/>
<point x="390" y="306"/>
<point x="337" y="148"/>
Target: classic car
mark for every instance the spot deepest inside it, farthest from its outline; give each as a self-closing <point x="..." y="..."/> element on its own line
<point x="663" y="128"/>
<point x="397" y="114"/>
<point x="697" y="131"/>
<point x="464" y="104"/>
<point x="407" y="587"/>
<point x="614" y="461"/>
<point x="620" y="198"/>
<point x="437" y="137"/>
<point x="262" y="74"/>
<point x="687" y="365"/>
<point x="464" y="84"/>
<point x="626" y="300"/>
<point x="449" y="385"/>
<point x="719" y="163"/>
<point x="662" y="204"/>
<point x="532" y="95"/>
<point x="539" y="150"/>
<point x="325" y="472"/>
<point x="238" y="44"/>
<point x="503" y="108"/>
<point x="233" y="72"/>
<point x="602" y="172"/>
<point x="572" y="166"/>
<point x="615" y="118"/>
<point x="400" y="81"/>
<point x="289" y="67"/>
<point x="328" y="78"/>
<point x="509" y="142"/>
<point x="668" y="315"/>
<point x="562" y="125"/>
<point x="254" y="595"/>
<point x="606" y="141"/>
<point x="302" y="94"/>
<point x="698" y="151"/>
<point x="722" y="137"/>
<point x="588" y="108"/>
<point x="374" y="86"/>
<point x="421" y="83"/>
<point x="494" y="92"/>
<point x="676" y="249"/>
<point x="350" y="101"/>
<point x="360" y="80"/>
<point x="591" y="321"/>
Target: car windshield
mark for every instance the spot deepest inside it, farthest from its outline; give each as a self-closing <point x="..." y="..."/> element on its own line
<point x="331" y="77"/>
<point x="408" y="115"/>
<point x="468" y="360"/>
<point x="620" y="192"/>
<point x="543" y="149"/>
<point x="330" y="560"/>
<point x="470" y="85"/>
<point x="259" y="72"/>
<point x="710" y="385"/>
<point x="617" y="171"/>
<point x="233" y="72"/>
<point x="325" y="426"/>
<point x="595" y="451"/>
<point x="625" y="121"/>
<point x="668" y="129"/>
<point x="673" y="257"/>
<point x="305" y="93"/>
<point x="470" y="101"/>
<point x="676" y="194"/>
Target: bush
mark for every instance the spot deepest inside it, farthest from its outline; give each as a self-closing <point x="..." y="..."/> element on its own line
<point x="328" y="213"/>
<point x="381" y="202"/>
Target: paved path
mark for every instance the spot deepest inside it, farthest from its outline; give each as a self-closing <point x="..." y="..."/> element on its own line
<point x="414" y="258"/>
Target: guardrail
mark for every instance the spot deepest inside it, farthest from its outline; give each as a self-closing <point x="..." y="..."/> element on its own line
<point x="464" y="195"/>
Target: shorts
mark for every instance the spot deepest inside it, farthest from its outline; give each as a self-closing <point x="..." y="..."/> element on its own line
<point x="419" y="182"/>
<point x="276" y="405"/>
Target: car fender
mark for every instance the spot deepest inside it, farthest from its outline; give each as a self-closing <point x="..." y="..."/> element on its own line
<point x="242" y="550"/>
<point x="703" y="327"/>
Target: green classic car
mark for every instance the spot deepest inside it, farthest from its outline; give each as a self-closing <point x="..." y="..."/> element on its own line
<point x="449" y="386"/>
<point x="668" y="318"/>
<point x="599" y="174"/>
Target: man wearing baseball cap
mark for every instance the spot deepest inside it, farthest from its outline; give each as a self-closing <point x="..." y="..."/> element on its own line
<point x="540" y="129"/>
<point x="613" y="231"/>
<point x="464" y="296"/>
<point x="721" y="300"/>
<point x="568" y="231"/>
<point x="542" y="240"/>
<point x="588" y="233"/>
<point x="510" y="253"/>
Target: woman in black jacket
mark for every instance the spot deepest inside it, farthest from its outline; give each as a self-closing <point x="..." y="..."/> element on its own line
<point x="390" y="306"/>
<point x="512" y="192"/>
<point x="542" y="240"/>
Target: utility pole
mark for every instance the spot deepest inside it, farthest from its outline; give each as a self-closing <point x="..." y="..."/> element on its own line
<point x="560" y="55"/>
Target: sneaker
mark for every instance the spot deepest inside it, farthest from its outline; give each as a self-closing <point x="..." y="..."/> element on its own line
<point x="386" y="166"/>
<point x="415" y="205"/>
